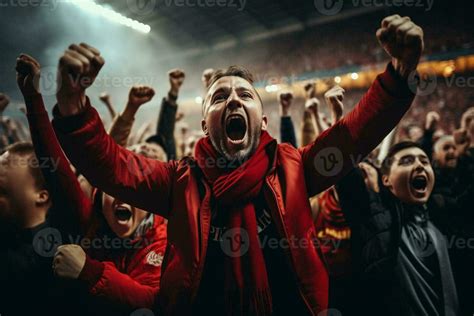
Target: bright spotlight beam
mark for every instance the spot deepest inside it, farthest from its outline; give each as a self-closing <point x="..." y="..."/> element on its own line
<point x="111" y="15"/>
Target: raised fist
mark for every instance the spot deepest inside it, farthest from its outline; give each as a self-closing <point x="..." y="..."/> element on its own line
<point x="403" y="41"/>
<point x="334" y="98"/>
<point x="310" y="90"/>
<point x="432" y="119"/>
<point x="139" y="95"/>
<point x="78" y="68"/>
<point x="27" y="75"/>
<point x="69" y="261"/>
<point x="4" y="101"/>
<point x="206" y="76"/>
<point x="285" y="100"/>
<point x="370" y="176"/>
<point x="176" y="77"/>
<point x="104" y="97"/>
<point x="313" y="106"/>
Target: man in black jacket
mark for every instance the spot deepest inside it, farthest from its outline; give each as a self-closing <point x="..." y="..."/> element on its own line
<point x="400" y="253"/>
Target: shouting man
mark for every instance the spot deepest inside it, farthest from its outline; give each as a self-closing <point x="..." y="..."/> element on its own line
<point x="240" y="228"/>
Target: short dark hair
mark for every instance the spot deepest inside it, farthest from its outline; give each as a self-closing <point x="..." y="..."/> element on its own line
<point x="231" y="71"/>
<point x="26" y="149"/>
<point x="234" y="71"/>
<point x="388" y="160"/>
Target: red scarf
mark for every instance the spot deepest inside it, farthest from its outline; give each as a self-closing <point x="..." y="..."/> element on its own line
<point x="246" y="284"/>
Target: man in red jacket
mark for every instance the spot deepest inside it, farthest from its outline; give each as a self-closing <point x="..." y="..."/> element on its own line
<point x="240" y="230"/>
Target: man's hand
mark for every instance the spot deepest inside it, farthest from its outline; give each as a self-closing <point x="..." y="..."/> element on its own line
<point x="69" y="261"/>
<point x="78" y="68"/>
<point x="105" y="97"/>
<point x="312" y="105"/>
<point x="432" y="120"/>
<point x="139" y="95"/>
<point x="467" y="117"/>
<point x="27" y="75"/>
<point x="334" y="98"/>
<point x="371" y="177"/>
<point x="403" y="41"/>
<point x="206" y="76"/>
<point x="310" y="90"/>
<point x="4" y="101"/>
<point x="285" y="100"/>
<point x="176" y="77"/>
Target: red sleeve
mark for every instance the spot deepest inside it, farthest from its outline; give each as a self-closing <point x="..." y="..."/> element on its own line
<point x="134" y="179"/>
<point x="337" y="150"/>
<point x="67" y="196"/>
<point x="137" y="288"/>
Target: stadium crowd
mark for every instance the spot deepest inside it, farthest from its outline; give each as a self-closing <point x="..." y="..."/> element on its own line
<point x="106" y="222"/>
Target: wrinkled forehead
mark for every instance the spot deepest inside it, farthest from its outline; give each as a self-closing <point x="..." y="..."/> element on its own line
<point x="227" y="83"/>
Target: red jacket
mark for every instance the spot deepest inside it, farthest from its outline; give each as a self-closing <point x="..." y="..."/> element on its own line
<point x="131" y="277"/>
<point x="173" y="189"/>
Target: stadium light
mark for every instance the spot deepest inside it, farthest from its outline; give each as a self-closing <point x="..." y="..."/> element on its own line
<point x="337" y="79"/>
<point x="354" y="76"/>
<point x="111" y="15"/>
<point x="271" y="88"/>
<point x="198" y="100"/>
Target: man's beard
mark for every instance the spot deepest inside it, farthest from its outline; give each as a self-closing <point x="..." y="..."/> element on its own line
<point x="242" y="155"/>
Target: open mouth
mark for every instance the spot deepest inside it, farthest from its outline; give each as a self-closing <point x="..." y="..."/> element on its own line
<point x="123" y="214"/>
<point x="419" y="183"/>
<point x="236" y="128"/>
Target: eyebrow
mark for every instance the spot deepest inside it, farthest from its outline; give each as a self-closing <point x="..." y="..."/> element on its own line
<point x="410" y="155"/>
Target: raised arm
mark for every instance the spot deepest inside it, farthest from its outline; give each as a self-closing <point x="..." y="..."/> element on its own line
<point x="123" y="123"/>
<point x="336" y="151"/>
<point x="167" y="118"/>
<point x="287" y="130"/>
<point x="72" y="209"/>
<point x="134" y="179"/>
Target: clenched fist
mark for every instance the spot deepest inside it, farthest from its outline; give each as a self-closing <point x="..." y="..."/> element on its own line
<point x="403" y="41"/>
<point x="432" y="119"/>
<point x="285" y="100"/>
<point x="69" y="261"/>
<point x="312" y="105"/>
<point x="139" y="95"/>
<point x="4" y="101"/>
<point x="334" y="98"/>
<point x="27" y="75"/>
<point x="78" y="68"/>
<point x="176" y="77"/>
<point x="310" y="90"/>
